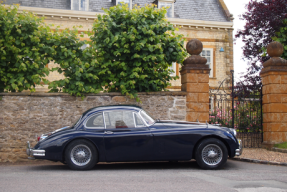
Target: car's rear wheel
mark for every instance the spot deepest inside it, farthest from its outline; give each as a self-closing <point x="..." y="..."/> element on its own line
<point x="211" y="154"/>
<point x="81" y="155"/>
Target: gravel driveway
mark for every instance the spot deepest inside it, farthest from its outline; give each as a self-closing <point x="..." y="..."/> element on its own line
<point x="263" y="154"/>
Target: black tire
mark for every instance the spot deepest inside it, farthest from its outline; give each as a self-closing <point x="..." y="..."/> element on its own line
<point x="211" y="154"/>
<point x="81" y="155"/>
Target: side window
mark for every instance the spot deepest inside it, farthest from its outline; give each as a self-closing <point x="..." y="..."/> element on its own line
<point x="173" y="67"/>
<point x="208" y="54"/>
<point x="119" y="119"/>
<point x="80" y="5"/>
<point x="96" y="121"/>
<point x="138" y="121"/>
<point x="170" y="10"/>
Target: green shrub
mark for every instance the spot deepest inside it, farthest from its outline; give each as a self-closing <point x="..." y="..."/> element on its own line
<point x="135" y="48"/>
<point x="130" y="52"/>
<point x="22" y="50"/>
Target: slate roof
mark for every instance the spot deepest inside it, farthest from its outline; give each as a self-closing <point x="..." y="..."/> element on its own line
<point x="207" y="10"/>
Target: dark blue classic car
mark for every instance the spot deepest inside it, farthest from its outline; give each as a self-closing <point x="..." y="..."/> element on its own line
<point x="128" y="133"/>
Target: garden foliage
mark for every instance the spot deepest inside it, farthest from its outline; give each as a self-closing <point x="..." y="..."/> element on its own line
<point x="134" y="49"/>
<point x="247" y="117"/>
<point x="130" y="51"/>
<point x="23" y="40"/>
<point x="264" y="19"/>
<point x="281" y="36"/>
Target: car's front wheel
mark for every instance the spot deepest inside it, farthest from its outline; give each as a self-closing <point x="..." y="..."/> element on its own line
<point x="81" y="155"/>
<point x="211" y="154"/>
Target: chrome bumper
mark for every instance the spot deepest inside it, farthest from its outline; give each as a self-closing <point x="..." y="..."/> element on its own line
<point x="34" y="152"/>
<point x="238" y="152"/>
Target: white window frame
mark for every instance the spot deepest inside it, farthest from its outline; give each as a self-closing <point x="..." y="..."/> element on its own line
<point x="131" y="5"/>
<point x="73" y="8"/>
<point x="173" y="67"/>
<point x="167" y="1"/>
<point x="211" y="59"/>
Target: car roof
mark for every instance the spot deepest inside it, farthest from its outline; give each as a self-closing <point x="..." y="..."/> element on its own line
<point x="108" y="107"/>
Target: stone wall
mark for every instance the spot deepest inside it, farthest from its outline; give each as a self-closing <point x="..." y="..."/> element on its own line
<point x="24" y="116"/>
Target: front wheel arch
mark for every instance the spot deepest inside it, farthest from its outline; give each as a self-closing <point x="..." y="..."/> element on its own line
<point x="211" y="153"/>
<point x="209" y="137"/>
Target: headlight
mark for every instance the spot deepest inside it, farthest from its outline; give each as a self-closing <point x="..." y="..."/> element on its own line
<point x="233" y="131"/>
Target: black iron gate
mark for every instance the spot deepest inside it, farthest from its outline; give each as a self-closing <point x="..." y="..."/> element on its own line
<point x="240" y="108"/>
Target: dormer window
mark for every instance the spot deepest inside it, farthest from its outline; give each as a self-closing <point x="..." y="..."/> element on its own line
<point x="166" y="3"/>
<point x="80" y="5"/>
<point x="129" y="2"/>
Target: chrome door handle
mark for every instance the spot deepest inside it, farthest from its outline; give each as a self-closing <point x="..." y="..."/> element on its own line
<point x="109" y="132"/>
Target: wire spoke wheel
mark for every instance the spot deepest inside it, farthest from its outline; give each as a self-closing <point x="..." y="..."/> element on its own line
<point x="212" y="154"/>
<point x="81" y="155"/>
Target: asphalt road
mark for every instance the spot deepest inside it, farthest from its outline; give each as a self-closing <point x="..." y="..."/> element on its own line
<point x="160" y="176"/>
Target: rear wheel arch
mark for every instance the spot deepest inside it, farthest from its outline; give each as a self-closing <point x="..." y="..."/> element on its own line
<point x="208" y="137"/>
<point x="79" y="138"/>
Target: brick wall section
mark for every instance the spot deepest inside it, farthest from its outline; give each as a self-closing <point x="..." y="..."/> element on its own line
<point x="24" y="116"/>
<point x="274" y="107"/>
<point x="195" y="83"/>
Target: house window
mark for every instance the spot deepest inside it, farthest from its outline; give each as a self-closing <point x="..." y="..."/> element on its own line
<point x="208" y="54"/>
<point x="167" y="3"/>
<point x="173" y="67"/>
<point x="129" y="2"/>
<point x="80" y="5"/>
<point x="85" y="46"/>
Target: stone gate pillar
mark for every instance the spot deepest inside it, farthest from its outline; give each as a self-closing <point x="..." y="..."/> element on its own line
<point x="274" y="81"/>
<point x="195" y="81"/>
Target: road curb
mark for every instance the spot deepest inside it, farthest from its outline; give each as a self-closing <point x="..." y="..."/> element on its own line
<point x="279" y="150"/>
<point x="259" y="161"/>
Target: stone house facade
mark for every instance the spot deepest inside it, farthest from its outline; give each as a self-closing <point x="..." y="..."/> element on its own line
<point x="207" y="20"/>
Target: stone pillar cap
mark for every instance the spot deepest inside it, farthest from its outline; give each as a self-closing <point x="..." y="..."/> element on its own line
<point x="195" y="61"/>
<point x="275" y="63"/>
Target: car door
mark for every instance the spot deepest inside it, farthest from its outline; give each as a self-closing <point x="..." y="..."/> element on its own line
<point x="95" y="130"/>
<point x="126" y="137"/>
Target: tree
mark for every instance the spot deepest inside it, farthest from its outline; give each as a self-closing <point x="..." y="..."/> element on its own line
<point x="263" y="19"/>
<point x="134" y="49"/>
<point x="281" y="36"/>
<point x="22" y="56"/>
<point x="27" y="45"/>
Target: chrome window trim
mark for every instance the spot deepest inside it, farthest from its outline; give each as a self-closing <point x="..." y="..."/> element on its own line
<point x="88" y="118"/>
<point x="134" y="119"/>
<point x="137" y="113"/>
<point x="104" y="120"/>
<point x="144" y="120"/>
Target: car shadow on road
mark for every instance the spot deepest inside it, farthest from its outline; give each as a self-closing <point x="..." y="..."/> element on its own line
<point x="121" y="166"/>
<point x="192" y="165"/>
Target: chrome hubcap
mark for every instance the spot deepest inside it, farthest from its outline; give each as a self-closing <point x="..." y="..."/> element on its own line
<point x="212" y="154"/>
<point x="81" y="155"/>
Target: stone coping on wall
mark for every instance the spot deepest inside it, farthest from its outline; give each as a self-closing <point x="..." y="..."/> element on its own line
<point x="173" y="93"/>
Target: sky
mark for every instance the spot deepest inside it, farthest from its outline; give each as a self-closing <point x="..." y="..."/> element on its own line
<point x="237" y="7"/>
